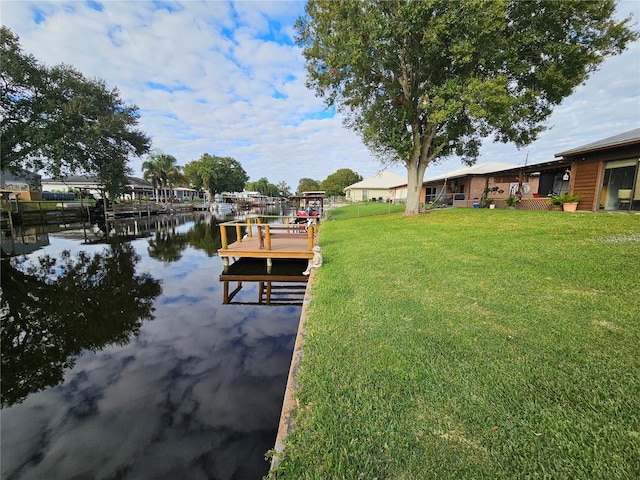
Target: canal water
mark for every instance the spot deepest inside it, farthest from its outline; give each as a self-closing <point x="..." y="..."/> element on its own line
<point x="121" y="361"/>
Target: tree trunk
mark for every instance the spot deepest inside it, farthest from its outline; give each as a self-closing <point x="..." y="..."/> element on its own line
<point x="415" y="176"/>
<point x="414" y="187"/>
<point x="417" y="165"/>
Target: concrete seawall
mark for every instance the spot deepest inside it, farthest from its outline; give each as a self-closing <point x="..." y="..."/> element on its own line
<point x="290" y="403"/>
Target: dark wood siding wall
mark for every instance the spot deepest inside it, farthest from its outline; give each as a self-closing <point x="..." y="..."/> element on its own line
<point x="587" y="169"/>
<point x="586" y="181"/>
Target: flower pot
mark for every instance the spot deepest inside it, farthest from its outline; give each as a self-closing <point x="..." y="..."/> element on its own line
<point x="570" y="207"/>
<point x="492" y="206"/>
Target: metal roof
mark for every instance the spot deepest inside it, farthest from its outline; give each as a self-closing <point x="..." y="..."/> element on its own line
<point x="627" y="138"/>
<point x="478" y="169"/>
<point x="80" y="179"/>
<point x="379" y="181"/>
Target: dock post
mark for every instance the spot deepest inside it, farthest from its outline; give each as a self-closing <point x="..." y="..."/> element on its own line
<point x="267" y="237"/>
<point x="310" y="237"/>
<point x="223" y="236"/>
<point x="269" y="265"/>
<point x="249" y="228"/>
<point x="238" y="232"/>
<point x="225" y="264"/>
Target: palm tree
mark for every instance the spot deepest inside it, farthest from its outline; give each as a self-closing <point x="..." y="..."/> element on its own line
<point x="168" y="163"/>
<point x="151" y="171"/>
<point x="175" y="177"/>
<point x="156" y="169"/>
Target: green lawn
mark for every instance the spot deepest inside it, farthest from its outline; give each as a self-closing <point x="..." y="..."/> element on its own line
<point x="471" y="344"/>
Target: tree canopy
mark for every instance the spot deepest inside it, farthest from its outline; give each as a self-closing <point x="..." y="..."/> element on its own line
<point x="307" y="185"/>
<point x="421" y="81"/>
<point x="216" y="174"/>
<point x="163" y="171"/>
<point x="284" y="189"/>
<point x="264" y="187"/>
<point x="335" y="183"/>
<point x="57" y="121"/>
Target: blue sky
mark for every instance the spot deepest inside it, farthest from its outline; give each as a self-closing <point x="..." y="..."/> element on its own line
<point x="226" y="78"/>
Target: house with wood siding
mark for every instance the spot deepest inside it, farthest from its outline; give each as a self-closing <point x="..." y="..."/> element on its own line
<point x="606" y="173"/>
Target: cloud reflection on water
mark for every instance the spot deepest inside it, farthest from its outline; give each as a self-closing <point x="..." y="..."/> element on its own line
<point x="196" y="395"/>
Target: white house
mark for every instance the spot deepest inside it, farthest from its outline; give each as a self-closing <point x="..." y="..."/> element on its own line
<point x="137" y="187"/>
<point x="377" y="188"/>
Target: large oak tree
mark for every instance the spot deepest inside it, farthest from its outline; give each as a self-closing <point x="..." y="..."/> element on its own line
<point x="335" y="183"/>
<point x="424" y="80"/>
<point x="306" y="184"/>
<point x="56" y="120"/>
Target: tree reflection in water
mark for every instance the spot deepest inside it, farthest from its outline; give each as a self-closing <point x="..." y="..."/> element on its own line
<point x="54" y="309"/>
<point x="167" y="245"/>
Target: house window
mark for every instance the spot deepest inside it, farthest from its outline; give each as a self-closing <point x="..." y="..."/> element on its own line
<point x="620" y="186"/>
<point x="365" y="194"/>
<point x="430" y="194"/>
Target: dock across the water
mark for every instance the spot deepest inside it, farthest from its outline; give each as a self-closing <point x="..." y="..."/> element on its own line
<point x="267" y="237"/>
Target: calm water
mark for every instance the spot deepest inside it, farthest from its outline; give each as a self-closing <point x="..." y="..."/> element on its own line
<point x="120" y="360"/>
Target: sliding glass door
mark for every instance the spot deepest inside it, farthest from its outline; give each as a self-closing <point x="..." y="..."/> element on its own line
<point x="621" y="186"/>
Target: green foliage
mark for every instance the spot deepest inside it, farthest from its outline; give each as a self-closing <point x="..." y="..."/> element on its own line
<point x="284" y="189"/>
<point x="564" y="198"/>
<point x="335" y="183"/>
<point x="54" y="119"/>
<point x="424" y="80"/>
<point x="216" y="174"/>
<point x="511" y="201"/>
<point x="485" y="200"/>
<point x="57" y="308"/>
<point x="307" y="185"/>
<point x="264" y="187"/>
<point x="452" y="357"/>
<point x="162" y="170"/>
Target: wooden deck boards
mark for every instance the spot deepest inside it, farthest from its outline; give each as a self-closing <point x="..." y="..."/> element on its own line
<point x="283" y="245"/>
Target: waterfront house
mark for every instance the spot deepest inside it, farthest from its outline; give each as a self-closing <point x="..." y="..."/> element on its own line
<point x="377" y="188"/>
<point x="606" y="173"/>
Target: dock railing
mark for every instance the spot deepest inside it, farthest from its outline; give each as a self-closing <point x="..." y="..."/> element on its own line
<point x="265" y="227"/>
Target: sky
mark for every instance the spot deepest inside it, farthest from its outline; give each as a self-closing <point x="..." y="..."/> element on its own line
<point x="226" y="78"/>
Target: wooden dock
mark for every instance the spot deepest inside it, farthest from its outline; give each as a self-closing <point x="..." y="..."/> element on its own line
<point x="267" y="240"/>
<point x="285" y="285"/>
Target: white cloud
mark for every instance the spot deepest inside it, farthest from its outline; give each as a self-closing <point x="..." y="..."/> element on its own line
<point x="226" y="79"/>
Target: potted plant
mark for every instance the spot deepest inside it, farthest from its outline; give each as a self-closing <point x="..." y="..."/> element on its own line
<point x="569" y="202"/>
<point x="555" y="203"/>
<point x="487" y="202"/>
<point x="511" y="201"/>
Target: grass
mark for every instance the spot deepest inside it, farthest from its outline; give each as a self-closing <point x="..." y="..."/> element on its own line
<point x="363" y="210"/>
<point x="471" y="344"/>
